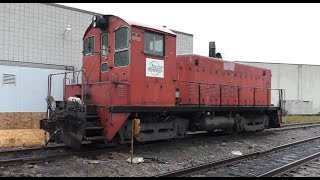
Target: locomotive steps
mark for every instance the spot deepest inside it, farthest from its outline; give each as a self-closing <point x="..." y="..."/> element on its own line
<point x="93" y="129"/>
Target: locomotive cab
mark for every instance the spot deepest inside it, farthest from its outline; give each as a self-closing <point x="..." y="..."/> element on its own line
<point x="125" y="64"/>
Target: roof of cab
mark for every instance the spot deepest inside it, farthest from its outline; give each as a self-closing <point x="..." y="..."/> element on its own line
<point x="138" y="24"/>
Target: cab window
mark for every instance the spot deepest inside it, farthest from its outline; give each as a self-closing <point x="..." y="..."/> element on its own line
<point x="88" y="46"/>
<point x="153" y="44"/>
<point x="104" y="67"/>
<point x="121" y="56"/>
<point x="104" y="44"/>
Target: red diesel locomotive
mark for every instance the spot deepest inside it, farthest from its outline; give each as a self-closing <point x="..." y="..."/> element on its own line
<point x="133" y="79"/>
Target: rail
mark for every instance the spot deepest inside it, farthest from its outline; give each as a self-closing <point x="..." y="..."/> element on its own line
<point x="42" y="154"/>
<point x="222" y="163"/>
<point x="283" y="169"/>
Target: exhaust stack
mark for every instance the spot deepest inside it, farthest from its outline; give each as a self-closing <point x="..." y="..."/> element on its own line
<point x="212" y="49"/>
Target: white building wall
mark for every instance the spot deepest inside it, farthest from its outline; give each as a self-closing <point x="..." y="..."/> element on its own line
<point x="184" y="43"/>
<point x="30" y="89"/>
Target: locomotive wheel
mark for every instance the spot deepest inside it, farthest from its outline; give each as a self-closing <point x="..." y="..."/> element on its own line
<point x="180" y="130"/>
<point x="128" y="134"/>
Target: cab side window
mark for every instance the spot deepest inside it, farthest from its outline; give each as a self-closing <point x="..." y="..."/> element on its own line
<point x="88" y="46"/>
<point x="121" y="56"/>
<point x="153" y="44"/>
<point x="104" y="44"/>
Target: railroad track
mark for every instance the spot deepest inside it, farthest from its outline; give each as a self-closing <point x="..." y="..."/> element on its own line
<point x="51" y="153"/>
<point x="310" y="169"/>
<point x="271" y="162"/>
<point x="293" y="165"/>
<point x="44" y="154"/>
<point x="56" y="152"/>
<point x="295" y="126"/>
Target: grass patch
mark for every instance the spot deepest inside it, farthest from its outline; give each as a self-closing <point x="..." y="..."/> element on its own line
<point x="300" y="119"/>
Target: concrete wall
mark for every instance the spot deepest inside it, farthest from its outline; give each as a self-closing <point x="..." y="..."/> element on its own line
<point x="32" y="32"/>
<point x="301" y="84"/>
<point x="184" y="42"/>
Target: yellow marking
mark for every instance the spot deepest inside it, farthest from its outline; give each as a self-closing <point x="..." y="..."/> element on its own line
<point x="136" y="127"/>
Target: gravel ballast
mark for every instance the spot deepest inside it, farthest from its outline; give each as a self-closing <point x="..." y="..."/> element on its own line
<point x="163" y="158"/>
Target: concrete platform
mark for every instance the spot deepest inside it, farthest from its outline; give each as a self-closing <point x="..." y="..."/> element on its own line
<point x="22" y="138"/>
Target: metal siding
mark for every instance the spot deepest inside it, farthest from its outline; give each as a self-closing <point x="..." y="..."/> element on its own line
<point x="30" y="91"/>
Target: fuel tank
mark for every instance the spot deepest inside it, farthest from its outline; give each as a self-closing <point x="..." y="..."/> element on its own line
<point x="210" y="123"/>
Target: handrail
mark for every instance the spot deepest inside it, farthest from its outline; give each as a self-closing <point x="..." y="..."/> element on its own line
<point x="281" y="92"/>
<point x="94" y="61"/>
<point x="83" y="84"/>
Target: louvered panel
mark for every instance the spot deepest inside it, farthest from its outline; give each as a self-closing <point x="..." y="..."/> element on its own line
<point x="9" y="79"/>
<point x="121" y="90"/>
<point x="191" y="88"/>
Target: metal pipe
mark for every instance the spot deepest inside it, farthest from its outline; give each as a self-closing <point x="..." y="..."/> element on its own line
<point x="267" y="98"/>
<point x="279" y="98"/>
<point x="199" y="98"/>
<point x="254" y="97"/>
<point x="238" y="95"/>
<point x="220" y="96"/>
<point x="64" y="87"/>
<point x="284" y="99"/>
<point x="49" y="85"/>
<point x="132" y="137"/>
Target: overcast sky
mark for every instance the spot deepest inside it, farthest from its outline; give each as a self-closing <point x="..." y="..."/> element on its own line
<point x="283" y="33"/>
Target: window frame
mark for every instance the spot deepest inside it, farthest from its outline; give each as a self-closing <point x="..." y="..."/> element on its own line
<point x="123" y="49"/>
<point x="107" y="49"/>
<point x="91" y="54"/>
<point x="154" y="42"/>
<point x="101" y="67"/>
<point x="115" y="58"/>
